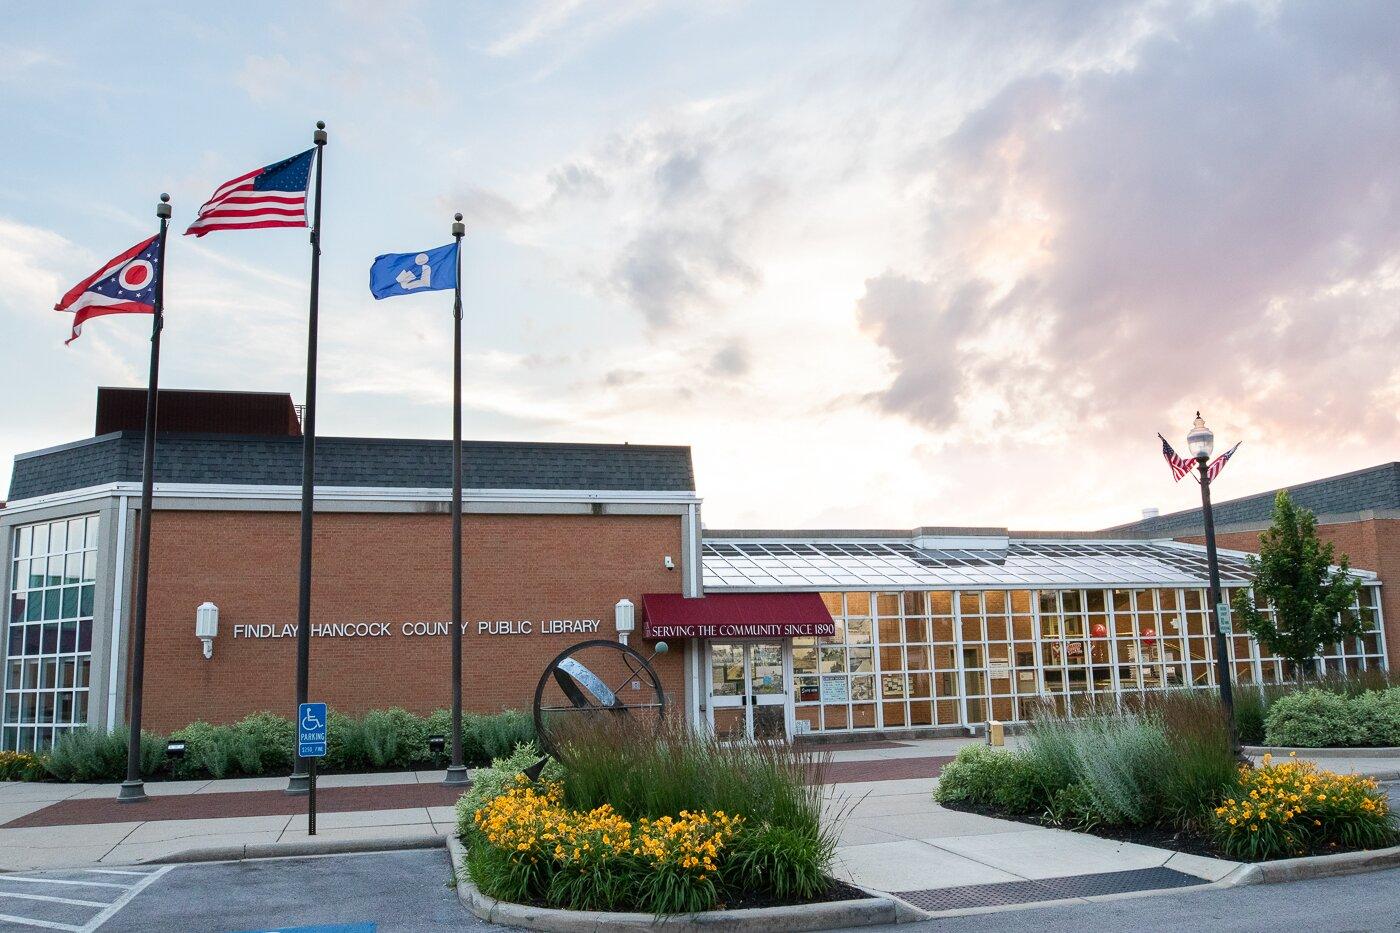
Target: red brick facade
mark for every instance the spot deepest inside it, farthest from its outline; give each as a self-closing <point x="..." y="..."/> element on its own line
<point x="1373" y="544"/>
<point x="394" y="569"/>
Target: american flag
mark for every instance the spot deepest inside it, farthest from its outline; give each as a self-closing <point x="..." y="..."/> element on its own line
<point x="1218" y="464"/>
<point x="271" y="196"/>
<point x="1179" y="466"/>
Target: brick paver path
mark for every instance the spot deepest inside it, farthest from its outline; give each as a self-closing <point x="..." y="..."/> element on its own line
<point x="378" y="797"/>
<point x="232" y="804"/>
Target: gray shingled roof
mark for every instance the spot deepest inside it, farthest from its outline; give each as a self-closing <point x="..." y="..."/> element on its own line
<point x="353" y="461"/>
<point x="1371" y="490"/>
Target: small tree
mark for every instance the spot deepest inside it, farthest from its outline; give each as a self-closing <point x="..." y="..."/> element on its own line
<point x="1312" y="603"/>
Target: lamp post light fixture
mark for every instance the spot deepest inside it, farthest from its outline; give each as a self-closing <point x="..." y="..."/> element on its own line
<point x="625" y="618"/>
<point x="1201" y="441"/>
<point x="206" y="626"/>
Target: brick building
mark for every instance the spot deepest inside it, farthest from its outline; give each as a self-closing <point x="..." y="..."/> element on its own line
<point x="797" y="631"/>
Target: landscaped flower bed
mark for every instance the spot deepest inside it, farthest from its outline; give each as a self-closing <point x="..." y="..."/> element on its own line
<point x="1294" y="809"/>
<point x="536" y="849"/>
<point x="666" y="823"/>
<point x="1161" y="773"/>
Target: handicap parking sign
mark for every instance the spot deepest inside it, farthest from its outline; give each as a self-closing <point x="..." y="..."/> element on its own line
<point x="312" y="729"/>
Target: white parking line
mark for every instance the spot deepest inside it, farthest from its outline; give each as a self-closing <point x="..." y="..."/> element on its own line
<point x="125" y="899"/>
<point x="114" y="871"/>
<point x="55" y="900"/>
<point x="45" y="924"/>
<point x="81" y="884"/>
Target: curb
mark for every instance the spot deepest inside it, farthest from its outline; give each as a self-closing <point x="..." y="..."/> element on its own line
<point x="828" y="916"/>
<point x="1283" y="751"/>
<point x="328" y="846"/>
<point x="1313" y="866"/>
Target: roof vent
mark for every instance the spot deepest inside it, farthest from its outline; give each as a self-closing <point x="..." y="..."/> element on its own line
<point x="1150" y="513"/>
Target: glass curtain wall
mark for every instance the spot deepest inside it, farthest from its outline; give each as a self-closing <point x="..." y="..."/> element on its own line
<point x="916" y="658"/>
<point x="49" y="639"/>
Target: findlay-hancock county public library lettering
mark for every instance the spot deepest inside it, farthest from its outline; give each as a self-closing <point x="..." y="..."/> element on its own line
<point x="415" y="629"/>
<point x="771" y="632"/>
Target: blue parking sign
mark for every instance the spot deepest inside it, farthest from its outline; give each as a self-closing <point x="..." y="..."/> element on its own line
<point x="313" y="725"/>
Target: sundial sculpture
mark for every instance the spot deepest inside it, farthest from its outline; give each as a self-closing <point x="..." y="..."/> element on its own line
<point x="592" y="679"/>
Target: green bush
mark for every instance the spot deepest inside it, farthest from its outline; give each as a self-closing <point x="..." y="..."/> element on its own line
<point x="492" y="736"/>
<point x="1310" y="719"/>
<point x="274" y="737"/>
<point x="1073" y="807"/>
<point x="394" y="738"/>
<point x="87" y="755"/>
<point x="1376" y="718"/>
<point x="345" y="746"/>
<point x="1012" y="781"/>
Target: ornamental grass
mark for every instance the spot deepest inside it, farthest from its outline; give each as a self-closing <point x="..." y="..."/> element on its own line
<point x="1292" y="809"/>
<point x="531" y="847"/>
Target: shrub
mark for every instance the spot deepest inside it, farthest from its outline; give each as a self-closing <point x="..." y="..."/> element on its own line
<point x="488" y="737"/>
<point x="1280" y="810"/>
<point x="1376" y="717"/>
<point x="992" y="777"/>
<point x="394" y="738"/>
<point x="274" y="738"/>
<point x="1310" y="719"/>
<point x="208" y="750"/>
<point x="87" y="755"/>
<point x="345" y="746"/>
<point x="1073" y="806"/>
<point x="489" y="783"/>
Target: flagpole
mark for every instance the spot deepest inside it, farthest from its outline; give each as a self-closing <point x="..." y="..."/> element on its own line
<point x="133" y="789"/>
<point x="298" y="783"/>
<point x="457" y="772"/>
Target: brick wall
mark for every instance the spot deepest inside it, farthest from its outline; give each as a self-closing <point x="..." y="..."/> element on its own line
<point x="1370" y="545"/>
<point x="392" y="568"/>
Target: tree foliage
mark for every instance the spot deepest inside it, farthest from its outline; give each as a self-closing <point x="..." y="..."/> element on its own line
<point x="1313" y="604"/>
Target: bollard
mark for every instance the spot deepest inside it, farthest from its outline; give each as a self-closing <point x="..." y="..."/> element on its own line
<point x="996" y="733"/>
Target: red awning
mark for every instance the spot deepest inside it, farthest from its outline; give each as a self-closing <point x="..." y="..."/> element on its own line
<point x="735" y="615"/>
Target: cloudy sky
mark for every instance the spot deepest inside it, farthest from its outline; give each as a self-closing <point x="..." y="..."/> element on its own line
<point x="880" y="265"/>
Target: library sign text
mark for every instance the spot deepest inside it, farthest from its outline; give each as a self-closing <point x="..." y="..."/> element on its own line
<point x="419" y="629"/>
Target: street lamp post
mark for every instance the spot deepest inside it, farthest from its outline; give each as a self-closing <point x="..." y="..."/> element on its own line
<point x="1201" y="441"/>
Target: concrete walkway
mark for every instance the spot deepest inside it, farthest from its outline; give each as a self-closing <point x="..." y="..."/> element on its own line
<point x="896" y="839"/>
<point x="141" y="838"/>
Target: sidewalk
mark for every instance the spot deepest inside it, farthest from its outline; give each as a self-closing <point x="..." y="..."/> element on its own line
<point x="896" y="839"/>
<point x="76" y="825"/>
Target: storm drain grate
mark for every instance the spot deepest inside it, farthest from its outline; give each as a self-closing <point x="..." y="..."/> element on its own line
<point x="1048" y="889"/>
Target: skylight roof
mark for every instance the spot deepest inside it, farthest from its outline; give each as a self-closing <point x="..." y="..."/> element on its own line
<point x="745" y="564"/>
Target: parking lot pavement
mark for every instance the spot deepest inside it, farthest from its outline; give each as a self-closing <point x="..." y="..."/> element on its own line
<point x="384" y="892"/>
<point x="79" y="900"/>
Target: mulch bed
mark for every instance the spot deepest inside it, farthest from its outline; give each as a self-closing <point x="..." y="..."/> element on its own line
<point x="1192" y="843"/>
<point x="837" y="891"/>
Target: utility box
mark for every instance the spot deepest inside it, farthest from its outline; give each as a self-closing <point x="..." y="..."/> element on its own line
<point x="996" y="733"/>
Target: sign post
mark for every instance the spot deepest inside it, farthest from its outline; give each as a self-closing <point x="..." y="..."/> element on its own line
<point x="313" y="730"/>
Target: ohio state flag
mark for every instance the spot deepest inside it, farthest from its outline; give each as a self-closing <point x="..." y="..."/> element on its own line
<point x="126" y="284"/>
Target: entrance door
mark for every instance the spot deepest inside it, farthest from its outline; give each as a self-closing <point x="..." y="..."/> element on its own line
<point x="748" y="690"/>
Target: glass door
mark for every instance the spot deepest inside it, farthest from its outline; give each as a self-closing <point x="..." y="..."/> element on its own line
<point x="748" y="693"/>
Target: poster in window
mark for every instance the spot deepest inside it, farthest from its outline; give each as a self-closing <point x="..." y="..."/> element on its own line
<point x="834" y="690"/>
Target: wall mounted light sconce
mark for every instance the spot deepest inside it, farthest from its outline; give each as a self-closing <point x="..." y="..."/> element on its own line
<point x="206" y="626"/>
